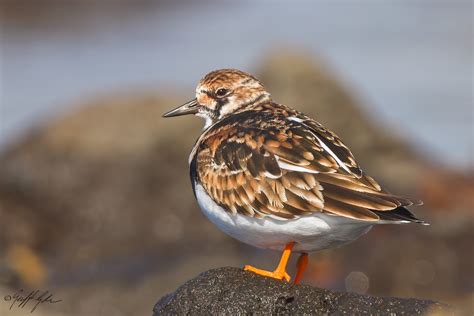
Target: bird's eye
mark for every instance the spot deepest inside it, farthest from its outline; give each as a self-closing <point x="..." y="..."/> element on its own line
<point x="221" y="92"/>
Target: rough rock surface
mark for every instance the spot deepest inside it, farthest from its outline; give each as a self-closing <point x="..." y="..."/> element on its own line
<point x="232" y="291"/>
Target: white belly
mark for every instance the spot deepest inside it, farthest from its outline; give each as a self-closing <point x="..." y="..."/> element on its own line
<point x="310" y="233"/>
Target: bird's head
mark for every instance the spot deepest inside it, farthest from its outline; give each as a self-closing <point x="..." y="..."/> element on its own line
<point x="221" y="93"/>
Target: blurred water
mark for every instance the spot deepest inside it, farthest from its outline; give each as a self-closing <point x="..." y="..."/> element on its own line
<point x="411" y="61"/>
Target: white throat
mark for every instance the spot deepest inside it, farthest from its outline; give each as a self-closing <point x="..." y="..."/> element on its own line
<point x="207" y="120"/>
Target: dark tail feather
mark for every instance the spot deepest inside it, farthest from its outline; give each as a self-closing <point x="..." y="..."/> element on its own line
<point x="399" y="214"/>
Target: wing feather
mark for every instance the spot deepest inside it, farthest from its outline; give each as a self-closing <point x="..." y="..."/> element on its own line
<point x="286" y="167"/>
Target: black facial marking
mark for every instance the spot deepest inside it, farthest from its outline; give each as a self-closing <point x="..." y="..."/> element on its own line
<point x="220" y="104"/>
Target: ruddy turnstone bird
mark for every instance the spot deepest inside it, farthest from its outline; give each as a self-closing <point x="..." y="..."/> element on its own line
<point x="274" y="178"/>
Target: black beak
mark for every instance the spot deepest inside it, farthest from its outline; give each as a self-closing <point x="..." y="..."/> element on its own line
<point x="190" y="107"/>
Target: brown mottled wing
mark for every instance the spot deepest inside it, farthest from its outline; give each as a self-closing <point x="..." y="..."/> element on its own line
<point x="259" y="164"/>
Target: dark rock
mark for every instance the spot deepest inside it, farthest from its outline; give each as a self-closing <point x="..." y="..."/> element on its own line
<point x="232" y="291"/>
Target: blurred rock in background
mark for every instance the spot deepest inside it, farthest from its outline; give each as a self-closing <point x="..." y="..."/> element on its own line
<point x="99" y="204"/>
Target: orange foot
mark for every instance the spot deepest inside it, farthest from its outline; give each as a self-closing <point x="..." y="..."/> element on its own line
<point x="280" y="272"/>
<point x="277" y="274"/>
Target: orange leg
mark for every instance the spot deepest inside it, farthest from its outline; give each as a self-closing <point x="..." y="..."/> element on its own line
<point x="280" y="272"/>
<point x="301" y="265"/>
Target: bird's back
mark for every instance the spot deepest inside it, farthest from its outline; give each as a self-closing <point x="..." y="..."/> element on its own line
<point x="274" y="161"/>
